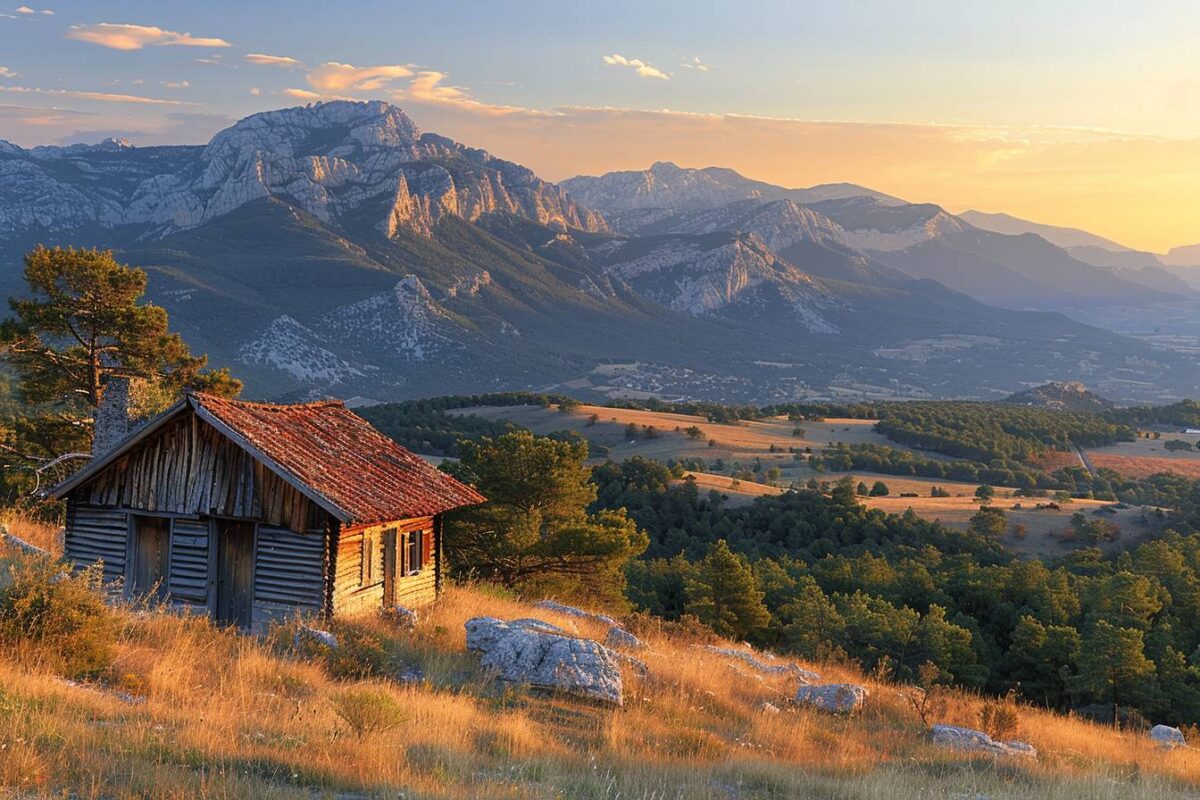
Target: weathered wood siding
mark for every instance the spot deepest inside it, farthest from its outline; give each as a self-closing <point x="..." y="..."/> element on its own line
<point x="289" y="574"/>
<point x="189" y="581"/>
<point x="189" y="468"/>
<point x="351" y="596"/>
<point x="96" y="534"/>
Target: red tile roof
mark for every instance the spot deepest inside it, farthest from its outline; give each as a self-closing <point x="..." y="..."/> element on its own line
<point x="336" y="454"/>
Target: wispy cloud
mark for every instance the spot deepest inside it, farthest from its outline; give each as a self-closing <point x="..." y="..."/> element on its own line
<point x="5" y="72"/>
<point x="643" y="69"/>
<point x="177" y="84"/>
<point x="301" y="94"/>
<point x="29" y="11"/>
<point x="335" y="78"/>
<point x="695" y="64"/>
<point x="123" y="36"/>
<point x="273" y="61"/>
<point x="255" y="91"/>
<point x="103" y="97"/>
<point x="428" y="86"/>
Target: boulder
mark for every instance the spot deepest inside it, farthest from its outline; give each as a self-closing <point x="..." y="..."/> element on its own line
<point x="977" y="741"/>
<point x="572" y="611"/>
<point x="526" y="651"/>
<point x="619" y="637"/>
<point x="307" y="635"/>
<point x="833" y="698"/>
<point x="1168" y="737"/>
<point x="401" y="617"/>
<point x="782" y="669"/>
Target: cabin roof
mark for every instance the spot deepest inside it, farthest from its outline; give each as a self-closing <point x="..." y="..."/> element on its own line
<point x="326" y="451"/>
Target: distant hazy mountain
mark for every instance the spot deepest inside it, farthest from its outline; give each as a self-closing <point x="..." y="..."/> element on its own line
<point x="338" y="249"/>
<point x="1063" y="237"/>
<point x="673" y="188"/>
<point x="858" y="234"/>
<point x="1187" y="256"/>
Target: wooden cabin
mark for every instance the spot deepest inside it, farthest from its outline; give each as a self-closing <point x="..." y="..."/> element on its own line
<point x="252" y="512"/>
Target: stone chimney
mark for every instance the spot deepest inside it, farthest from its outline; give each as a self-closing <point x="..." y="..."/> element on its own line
<point x="112" y="416"/>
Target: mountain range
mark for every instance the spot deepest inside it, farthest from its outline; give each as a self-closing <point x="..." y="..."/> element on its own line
<point x="338" y="249"/>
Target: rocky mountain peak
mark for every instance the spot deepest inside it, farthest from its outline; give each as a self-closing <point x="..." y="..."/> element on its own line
<point x="345" y="163"/>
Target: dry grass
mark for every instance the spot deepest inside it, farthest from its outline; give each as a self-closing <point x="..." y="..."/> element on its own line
<point x="227" y="716"/>
<point x="46" y="535"/>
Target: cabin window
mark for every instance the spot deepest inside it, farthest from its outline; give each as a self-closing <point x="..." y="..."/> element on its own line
<point x="370" y="550"/>
<point x="414" y="557"/>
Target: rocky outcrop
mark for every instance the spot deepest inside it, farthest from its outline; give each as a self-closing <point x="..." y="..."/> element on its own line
<point x="970" y="740"/>
<point x="620" y="638"/>
<point x="572" y="611"/>
<point x="617" y="636"/>
<point x="1167" y="737"/>
<point x="541" y="655"/>
<point x="764" y="666"/>
<point x="832" y="698"/>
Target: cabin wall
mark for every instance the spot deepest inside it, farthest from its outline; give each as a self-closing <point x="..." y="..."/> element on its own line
<point x="352" y="595"/>
<point x="189" y="468"/>
<point x="289" y="567"/>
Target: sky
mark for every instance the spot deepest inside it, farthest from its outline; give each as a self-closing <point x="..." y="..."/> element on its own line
<point x="1084" y="114"/>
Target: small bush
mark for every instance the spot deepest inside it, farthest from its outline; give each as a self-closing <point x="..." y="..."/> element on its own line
<point x="59" y="615"/>
<point x="367" y="711"/>
<point x="1000" y="719"/>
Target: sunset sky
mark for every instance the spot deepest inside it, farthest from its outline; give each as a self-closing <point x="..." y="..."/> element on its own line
<point x="1070" y="113"/>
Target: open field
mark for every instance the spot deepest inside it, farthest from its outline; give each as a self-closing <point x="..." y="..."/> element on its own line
<point x="1043" y="527"/>
<point x="208" y="713"/>
<point x="744" y="443"/>
<point x="740" y="441"/>
<point x="1143" y="457"/>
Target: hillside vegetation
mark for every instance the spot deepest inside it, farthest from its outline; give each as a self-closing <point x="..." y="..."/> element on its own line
<point x="184" y="710"/>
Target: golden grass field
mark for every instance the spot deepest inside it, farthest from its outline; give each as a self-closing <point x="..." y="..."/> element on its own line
<point x="1143" y="457"/>
<point x="220" y="715"/>
<point x="746" y="441"/>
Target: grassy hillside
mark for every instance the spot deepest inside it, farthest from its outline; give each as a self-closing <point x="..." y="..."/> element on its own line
<point x="190" y="711"/>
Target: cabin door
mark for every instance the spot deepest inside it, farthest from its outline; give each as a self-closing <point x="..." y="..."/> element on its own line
<point x="151" y="555"/>
<point x="234" y="599"/>
<point x="390" y="567"/>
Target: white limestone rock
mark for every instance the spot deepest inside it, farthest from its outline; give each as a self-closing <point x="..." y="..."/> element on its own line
<point x="832" y="698"/>
<point x="527" y="651"/>
<point x="1167" y="737"/>
<point x="618" y="637"/>
<point x="958" y="738"/>
<point x="764" y="666"/>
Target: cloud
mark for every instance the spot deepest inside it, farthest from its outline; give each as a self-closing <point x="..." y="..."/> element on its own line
<point x="695" y="64"/>
<point x="122" y="36"/>
<point x="177" y="84"/>
<point x="265" y="60"/>
<point x="255" y="91"/>
<point x="5" y="72"/>
<point x="103" y="97"/>
<point x="427" y="87"/>
<point x="37" y="117"/>
<point x="301" y="94"/>
<point x="643" y="69"/>
<point x="334" y="78"/>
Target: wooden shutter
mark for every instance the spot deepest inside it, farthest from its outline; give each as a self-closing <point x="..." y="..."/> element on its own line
<point x="426" y="548"/>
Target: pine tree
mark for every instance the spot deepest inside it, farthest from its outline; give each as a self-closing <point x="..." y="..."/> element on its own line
<point x="535" y="532"/>
<point x="724" y="595"/>
<point x="1113" y="666"/>
<point x="86" y="320"/>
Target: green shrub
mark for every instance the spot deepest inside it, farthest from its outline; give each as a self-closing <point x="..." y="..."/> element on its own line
<point x="58" y="615"/>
